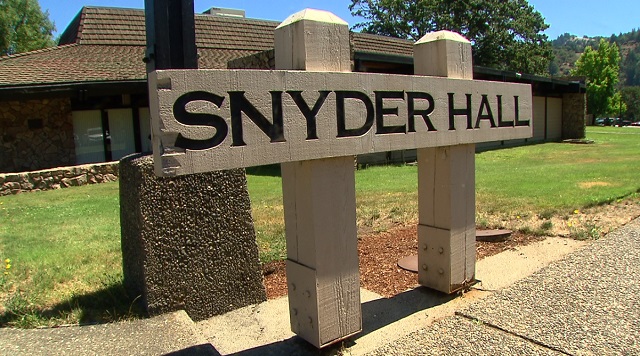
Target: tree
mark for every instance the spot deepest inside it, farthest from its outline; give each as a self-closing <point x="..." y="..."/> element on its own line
<point x="631" y="98"/>
<point x="616" y="105"/>
<point x="600" y="67"/>
<point x="504" y="34"/>
<point x="632" y="67"/>
<point x="554" y="69"/>
<point x="24" y="27"/>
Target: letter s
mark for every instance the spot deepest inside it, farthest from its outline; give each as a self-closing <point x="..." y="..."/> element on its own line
<point x="199" y="119"/>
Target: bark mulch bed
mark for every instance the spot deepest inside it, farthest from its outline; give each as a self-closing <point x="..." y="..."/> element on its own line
<point x="379" y="254"/>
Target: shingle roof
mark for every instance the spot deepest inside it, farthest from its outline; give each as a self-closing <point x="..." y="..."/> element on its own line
<point x="82" y="63"/>
<point x="102" y="44"/>
<point x="126" y="27"/>
<point x="364" y="42"/>
<point x="73" y="63"/>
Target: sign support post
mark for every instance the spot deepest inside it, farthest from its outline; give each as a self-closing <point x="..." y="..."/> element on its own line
<point x="446" y="179"/>
<point x="319" y="199"/>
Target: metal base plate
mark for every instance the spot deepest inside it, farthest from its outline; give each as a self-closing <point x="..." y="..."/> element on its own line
<point x="409" y="263"/>
<point x="492" y="235"/>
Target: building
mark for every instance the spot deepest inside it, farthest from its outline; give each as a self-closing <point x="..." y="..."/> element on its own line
<point x="86" y="99"/>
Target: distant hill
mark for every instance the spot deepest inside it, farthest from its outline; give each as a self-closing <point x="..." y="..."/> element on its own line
<point x="567" y="48"/>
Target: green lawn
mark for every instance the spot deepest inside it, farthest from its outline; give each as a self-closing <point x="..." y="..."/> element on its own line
<point x="558" y="177"/>
<point x="64" y="246"/>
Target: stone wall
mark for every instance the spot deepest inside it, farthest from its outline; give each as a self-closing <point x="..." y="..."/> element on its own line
<point x="62" y="177"/>
<point x="36" y="134"/>
<point x="262" y="60"/>
<point x="574" y="111"/>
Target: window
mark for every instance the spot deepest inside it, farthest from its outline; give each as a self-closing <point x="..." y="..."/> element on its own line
<point x="121" y="133"/>
<point x="110" y="134"/>
<point x="88" y="136"/>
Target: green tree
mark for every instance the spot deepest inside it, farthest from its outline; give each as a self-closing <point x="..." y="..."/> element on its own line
<point x="505" y="34"/>
<point x="616" y="106"/>
<point x="24" y="27"/>
<point x="631" y="98"/>
<point x="601" y="68"/>
<point x="631" y="67"/>
<point x="554" y="69"/>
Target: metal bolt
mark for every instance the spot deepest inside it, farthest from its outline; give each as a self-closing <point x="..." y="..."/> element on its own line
<point x="425" y="267"/>
<point x="425" y="247"/>
<point x="441" y="250"/>
<point x="441" y="271"/>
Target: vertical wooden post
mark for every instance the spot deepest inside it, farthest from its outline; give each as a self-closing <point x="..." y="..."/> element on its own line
<point x="446" y="186"/>
<point x="319" y="199"/>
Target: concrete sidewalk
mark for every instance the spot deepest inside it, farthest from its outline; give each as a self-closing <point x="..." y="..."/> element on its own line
<point x="587" y="303"/>
<point x="172" y="333"/>
<point x="583" y="303"/>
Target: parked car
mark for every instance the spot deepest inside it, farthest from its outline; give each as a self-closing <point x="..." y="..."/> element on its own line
<point x="603" y="121"/>
<point x="635" y="124"/>
<point x="621" y="122"/>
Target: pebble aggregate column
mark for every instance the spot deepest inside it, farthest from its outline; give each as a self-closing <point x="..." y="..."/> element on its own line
<point x="188" y="242"/>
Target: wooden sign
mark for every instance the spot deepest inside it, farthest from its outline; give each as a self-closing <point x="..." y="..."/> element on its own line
<point x="206" y="120"/>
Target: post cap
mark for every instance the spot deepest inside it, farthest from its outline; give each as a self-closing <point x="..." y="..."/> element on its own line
<point x="442" y="35"/>
<point x="313" y="15"/>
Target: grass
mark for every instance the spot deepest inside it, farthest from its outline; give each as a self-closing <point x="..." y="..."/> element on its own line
<point x="265" y="191"/>
<point x="64" y="245"/>
<point x="558" y="177"/>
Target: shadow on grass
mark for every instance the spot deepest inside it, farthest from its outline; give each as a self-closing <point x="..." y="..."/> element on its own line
<point x="110" y="304"/>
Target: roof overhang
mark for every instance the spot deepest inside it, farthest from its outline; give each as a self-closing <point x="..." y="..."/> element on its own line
<point x="544" y="83"/>
<point x="56" y="90"/>
<point x="382" y="57"/>
<point x="540" y="83"/>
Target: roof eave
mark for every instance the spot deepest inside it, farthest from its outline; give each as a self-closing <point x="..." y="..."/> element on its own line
<point x="511" y="76"/>
<point x="575" y="86"/>
<point x="382" y="57"/>
<point x="18" y="92"/>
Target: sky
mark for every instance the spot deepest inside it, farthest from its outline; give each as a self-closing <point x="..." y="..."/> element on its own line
<point x="578" y="17"/>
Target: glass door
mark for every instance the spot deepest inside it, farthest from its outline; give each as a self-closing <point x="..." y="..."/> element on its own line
<point x="121" y="134"/>
<point x="88" y="136"/>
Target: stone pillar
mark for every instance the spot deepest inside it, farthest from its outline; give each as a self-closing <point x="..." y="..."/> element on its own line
<point x="188" y="242"/>
<point x="574" y="112"/>
<point x="319" y="199"/>
<point x="446" y="180"/>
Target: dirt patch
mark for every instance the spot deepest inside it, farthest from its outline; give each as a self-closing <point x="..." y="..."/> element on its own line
<point x="587" y="185"/>
<point x="581" y="224"/>
<point x="379" y="252"/>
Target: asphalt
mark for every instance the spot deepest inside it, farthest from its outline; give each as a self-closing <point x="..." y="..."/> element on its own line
<point x="585" y="302"/>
